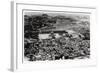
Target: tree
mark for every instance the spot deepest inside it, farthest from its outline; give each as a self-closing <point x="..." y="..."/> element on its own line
<point x="52" y="35"/>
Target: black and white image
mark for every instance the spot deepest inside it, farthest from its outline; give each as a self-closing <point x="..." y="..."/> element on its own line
<point x="56" y="36"/>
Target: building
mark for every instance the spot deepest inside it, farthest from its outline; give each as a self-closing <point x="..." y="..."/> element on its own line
<point x="46" y="34"/>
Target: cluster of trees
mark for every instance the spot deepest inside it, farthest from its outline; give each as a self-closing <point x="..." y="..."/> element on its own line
<point x="33" y="24"/>
<point x="57" y="48"/>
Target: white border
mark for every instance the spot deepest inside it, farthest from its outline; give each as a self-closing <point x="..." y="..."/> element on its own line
<point x="17" y="38"/>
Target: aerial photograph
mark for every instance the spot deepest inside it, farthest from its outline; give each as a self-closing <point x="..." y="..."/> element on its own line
<point x="50" y="36"/>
